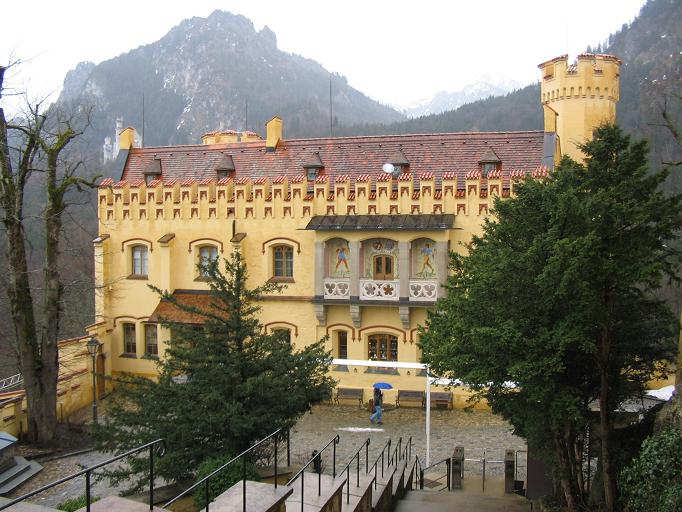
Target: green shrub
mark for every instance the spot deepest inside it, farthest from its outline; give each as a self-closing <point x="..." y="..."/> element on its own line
<point x="223" y="480"/>
<point x="652" y="482"/>
<point x="75" y="503"/>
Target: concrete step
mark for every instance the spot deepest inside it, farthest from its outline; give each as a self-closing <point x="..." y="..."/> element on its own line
<point x="18" y="474"/>
<point x="260" y="497"/>
<point x="354" y="495"/>
<point x="119" y="504"/>
<point x="418" y="501"/>
<point x="25" y="507"/>
<point x="318" y="490"/>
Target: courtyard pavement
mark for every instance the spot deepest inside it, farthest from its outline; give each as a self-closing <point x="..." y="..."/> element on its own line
<point x="477" y="431"/>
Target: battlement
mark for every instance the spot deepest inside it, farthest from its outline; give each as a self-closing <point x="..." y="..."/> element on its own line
<point x="289" y="197"/>
<point x="590" y="76"/>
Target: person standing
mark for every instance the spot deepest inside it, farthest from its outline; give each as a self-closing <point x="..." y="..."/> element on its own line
<point x="378" y="402"/>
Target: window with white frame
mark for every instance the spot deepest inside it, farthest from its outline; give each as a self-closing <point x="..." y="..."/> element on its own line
<point x="140" y="265"/>
<point x="207" y="254"/>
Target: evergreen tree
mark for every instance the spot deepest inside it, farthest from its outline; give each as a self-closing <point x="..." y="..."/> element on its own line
<point x="222" y="384"/>
<point x="557" y="297"/>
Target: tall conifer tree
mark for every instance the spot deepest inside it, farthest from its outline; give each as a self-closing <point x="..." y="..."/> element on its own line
<point x="557" y="297"/>
<point x="223" y="383"/>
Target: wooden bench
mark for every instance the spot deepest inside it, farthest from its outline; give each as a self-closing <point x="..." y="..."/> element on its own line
<point x="349" y="393"/>
<point x="408" y="395"/>
<point x="441" y="398"/>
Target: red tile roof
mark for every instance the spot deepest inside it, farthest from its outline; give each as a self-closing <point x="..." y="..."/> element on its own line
<point x="357" y="157"/>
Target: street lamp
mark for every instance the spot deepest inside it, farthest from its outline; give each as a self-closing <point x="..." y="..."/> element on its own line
<point x="93" y="347"/>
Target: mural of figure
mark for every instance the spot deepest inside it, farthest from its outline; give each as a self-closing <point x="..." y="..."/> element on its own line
<point x="427" y="256"/>
<point x="342" y="258"/>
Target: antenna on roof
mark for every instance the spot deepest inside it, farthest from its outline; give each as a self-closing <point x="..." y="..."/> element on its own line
<point x="388" y="168"/>
<point x="142" y="143"/>
<point x="331" y="117"/>
<point x="246" y="115"/>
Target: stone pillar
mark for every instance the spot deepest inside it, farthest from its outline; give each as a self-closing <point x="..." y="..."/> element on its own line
<point x="163" y="260"/>
<point x="100" y="278"/>
<point x="354" y="248"/>
<point x="442" y="260"/>
<point x="404" y="270"/>
<point x="319" y="270"/>
<point x="457" y="467"/>
<point x="509" y="471"/>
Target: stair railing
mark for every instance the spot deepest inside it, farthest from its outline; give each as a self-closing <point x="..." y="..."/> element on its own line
<point x="381" y="456"/>
<point x="447" y="462"/>
<point x="205" y="481"/>
<point x="356" y="457"/>
<point x="317" y="461"/>
<point x="159" y="446"/>
<point x="418" y="472"/>
<point x="394" y="456"/>
<point x="407" y="450"/>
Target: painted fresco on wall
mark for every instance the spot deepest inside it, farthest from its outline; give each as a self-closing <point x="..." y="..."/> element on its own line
<point x="338" y="255"/>
<point x="379" y="247"/>
<point x="424" y="259"/>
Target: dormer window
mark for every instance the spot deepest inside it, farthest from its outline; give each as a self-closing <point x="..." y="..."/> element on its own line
<point x="313" y="166"/>
<point x="224" y="168"/>
<point x="489" y="162"/>
<point x="152" y="171"/>
<point x="399" y="161"/>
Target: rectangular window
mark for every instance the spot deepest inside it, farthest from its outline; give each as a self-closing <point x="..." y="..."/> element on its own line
<point x="129" y="344"/>
<point x="151" y="347"/>
<point x="207" y="254"/>
<point x="140" y="267"/>
<point x="283" y="264"/>
<point x="343" y="344"/>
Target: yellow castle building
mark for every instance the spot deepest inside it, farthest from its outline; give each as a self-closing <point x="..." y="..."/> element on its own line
<point x="361" y="246"/>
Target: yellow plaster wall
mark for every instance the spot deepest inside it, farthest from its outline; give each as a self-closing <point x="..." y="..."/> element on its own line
<point x="583" y="96"/>
<point x="211" y="214"/>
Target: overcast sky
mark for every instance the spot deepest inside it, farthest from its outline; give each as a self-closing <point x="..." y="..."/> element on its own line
<point x="396" y="52"/>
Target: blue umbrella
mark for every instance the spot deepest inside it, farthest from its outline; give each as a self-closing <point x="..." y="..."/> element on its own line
<point x="382" y="385"/>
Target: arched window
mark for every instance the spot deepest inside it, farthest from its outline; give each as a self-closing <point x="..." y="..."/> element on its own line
<point x="207" y="254"/>
<point x="139" y="260"/>
<point x="283" y="261"/>
<point x="284" y="333"/>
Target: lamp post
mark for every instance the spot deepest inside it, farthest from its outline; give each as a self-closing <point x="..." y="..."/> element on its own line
<point x="93" y="347"/>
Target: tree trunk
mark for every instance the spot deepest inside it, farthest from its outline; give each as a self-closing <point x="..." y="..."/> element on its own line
<point x="564" y="457"/>
<point x="605" y="424"/>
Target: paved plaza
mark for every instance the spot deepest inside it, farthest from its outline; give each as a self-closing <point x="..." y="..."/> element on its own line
<point x="477" y="431"/>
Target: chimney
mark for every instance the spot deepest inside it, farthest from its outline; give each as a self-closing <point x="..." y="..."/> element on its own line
<point x="273" y="130"/>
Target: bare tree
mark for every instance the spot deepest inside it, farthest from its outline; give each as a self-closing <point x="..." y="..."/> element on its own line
<point x="34" y="146"/>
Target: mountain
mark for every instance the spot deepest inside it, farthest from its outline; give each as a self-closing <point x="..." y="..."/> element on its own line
<point x="444" y="101"/>
<point x="650" y="78"/>
<point x="199" y="77"/>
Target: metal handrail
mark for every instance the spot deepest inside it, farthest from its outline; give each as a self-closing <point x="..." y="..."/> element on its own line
<point x="161" y="450"/>
<point x="448" y="463"/>
<point x="356" y="456"/>
<point x="206" y="479"/>
<point x="396" y="452"/>
<point x="380" y="456"/>
<point x="407" y="451"/>
<point x="418" y="472"/>
<point x="316" y="457"/>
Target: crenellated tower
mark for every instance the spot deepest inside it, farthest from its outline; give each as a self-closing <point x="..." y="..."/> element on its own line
<point x="578" y="97"/>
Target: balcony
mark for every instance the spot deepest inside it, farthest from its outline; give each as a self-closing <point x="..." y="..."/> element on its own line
<point x="374" y="289"/>
<point x="424" y="290"/>
<point x="337" y="288"/>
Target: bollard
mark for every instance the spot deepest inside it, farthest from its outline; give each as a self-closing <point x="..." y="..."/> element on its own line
<point x="317" y="463"/>
<point x="509" y="471"/>
<point x="457" y="467"/>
